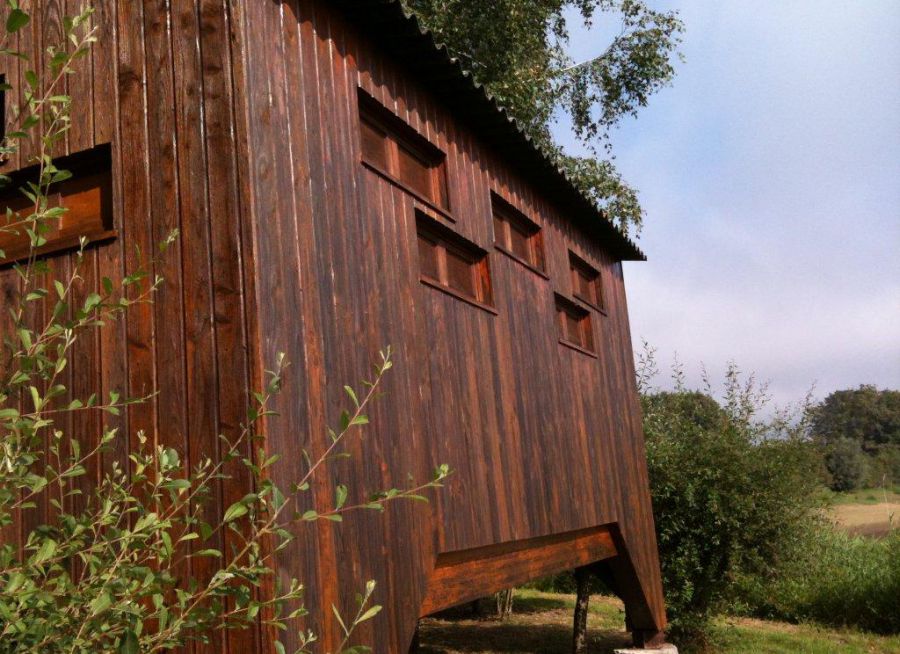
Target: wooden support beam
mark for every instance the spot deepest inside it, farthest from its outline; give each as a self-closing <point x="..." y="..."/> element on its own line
<point x="582" y="601"/>
<point x="467" y="575"/>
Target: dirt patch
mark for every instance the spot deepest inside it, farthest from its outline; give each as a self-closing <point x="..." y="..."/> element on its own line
<point x="872" y="520"/>
<point x="540" y="623"/>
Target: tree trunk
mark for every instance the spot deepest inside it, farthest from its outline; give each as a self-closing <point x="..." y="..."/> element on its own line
<point x="583" y="590"/>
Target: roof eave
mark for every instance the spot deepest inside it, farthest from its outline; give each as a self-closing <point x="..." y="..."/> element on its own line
<point x="386" y="22"/>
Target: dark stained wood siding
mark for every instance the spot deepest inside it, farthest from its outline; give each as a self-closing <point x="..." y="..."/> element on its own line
<point x="236" y="123"/>
<point x="543" y="439"/>
<point x="161" y="86"/>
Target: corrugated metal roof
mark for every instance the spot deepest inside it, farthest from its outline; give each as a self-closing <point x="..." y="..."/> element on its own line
<point x="401" y="35"/>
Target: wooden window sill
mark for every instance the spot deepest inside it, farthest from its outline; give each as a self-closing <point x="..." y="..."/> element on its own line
<point x="456" y="294"/>
<point x="444" y="213"/>
<point x="59" y="246"/>
<point x="590" y="304"/>
<point x="518" y="259"/>
<point x="578" y="348"/>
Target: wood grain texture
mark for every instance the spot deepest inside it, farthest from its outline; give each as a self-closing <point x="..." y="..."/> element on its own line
<point x="543" y="439"/>
<point x="237" y="123"/>
<point x="159" y="90"/>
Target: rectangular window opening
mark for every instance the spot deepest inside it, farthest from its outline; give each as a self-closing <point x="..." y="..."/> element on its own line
<point x="575" y="326"/>
<point x="450" y="262"/>
<point x="87" y="196"/>
<point x="587" y="283"/>
<point x="398" y="152"/>
<point x="516" y="235"/>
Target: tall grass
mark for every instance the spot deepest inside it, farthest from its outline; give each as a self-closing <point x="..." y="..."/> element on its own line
<point x="834" y="579"/>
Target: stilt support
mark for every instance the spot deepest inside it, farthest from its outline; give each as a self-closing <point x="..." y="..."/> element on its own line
<point x="582" y="600"/>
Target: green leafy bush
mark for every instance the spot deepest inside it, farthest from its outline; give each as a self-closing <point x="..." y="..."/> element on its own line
<point x="732" y="490"/>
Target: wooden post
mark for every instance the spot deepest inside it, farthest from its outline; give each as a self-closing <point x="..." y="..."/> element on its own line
<point x="505" y="603"/>
<point x="583" y="597"/>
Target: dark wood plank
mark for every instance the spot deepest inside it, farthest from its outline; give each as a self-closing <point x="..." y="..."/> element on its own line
<point x="506" y="565"/>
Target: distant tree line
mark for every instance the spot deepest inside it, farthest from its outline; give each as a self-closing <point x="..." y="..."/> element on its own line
<point x="858" y="432"/>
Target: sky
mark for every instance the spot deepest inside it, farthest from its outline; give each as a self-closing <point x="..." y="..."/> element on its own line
<point x="770" y="175"/>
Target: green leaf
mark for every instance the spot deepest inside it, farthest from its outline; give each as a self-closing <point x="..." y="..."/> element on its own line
<point x="340" y="496"/>
<point x="16" y="20"/>
<point x="129" y="643"/>
<point x="91" y="302"/>
<point x="371" y="613"/>
<point x="47" y="550"/>
<point x="337" y="615"/>
<point x="102" y="602"/>
<point x="234" y="512"/>
<point x="209" y="552"/>
<point x="35" y="398"/>
<point x="16" y="580"/>
<point x="177" y="484"/>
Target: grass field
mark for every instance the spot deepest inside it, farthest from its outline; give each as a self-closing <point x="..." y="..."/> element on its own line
<point x="867" y="496"/>
<point x="542" y="624"/>
<point x="866" y="512"/>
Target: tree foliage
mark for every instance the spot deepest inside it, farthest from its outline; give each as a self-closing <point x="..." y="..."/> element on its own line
<point x="517" y="49"/>
<point x="859" y="432"/>
<point x="847" y="464"/>
<point x="865" y="414"/>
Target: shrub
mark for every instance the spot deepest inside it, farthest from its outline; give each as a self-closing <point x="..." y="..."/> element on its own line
<point x="731" y="491"/>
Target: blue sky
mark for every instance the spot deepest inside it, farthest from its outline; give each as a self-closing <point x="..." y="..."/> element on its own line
<point x="770" y="172"/>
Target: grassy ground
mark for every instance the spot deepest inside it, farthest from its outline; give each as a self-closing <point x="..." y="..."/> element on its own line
<point x="866" y="496"/>
<point x="542" y="624"/>
<point x="867" y="512"/>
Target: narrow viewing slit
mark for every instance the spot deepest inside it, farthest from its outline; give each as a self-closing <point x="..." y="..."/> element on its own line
<point x="575" y="327"/>
<point x="587" y="283"/>
<point x="448" y="261"/>
<point x="516" y="235"/>
<point x="398" y="152"/>
<point x="87" y="197"/>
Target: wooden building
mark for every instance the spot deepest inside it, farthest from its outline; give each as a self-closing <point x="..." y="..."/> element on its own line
<point x="340" y="184"/>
